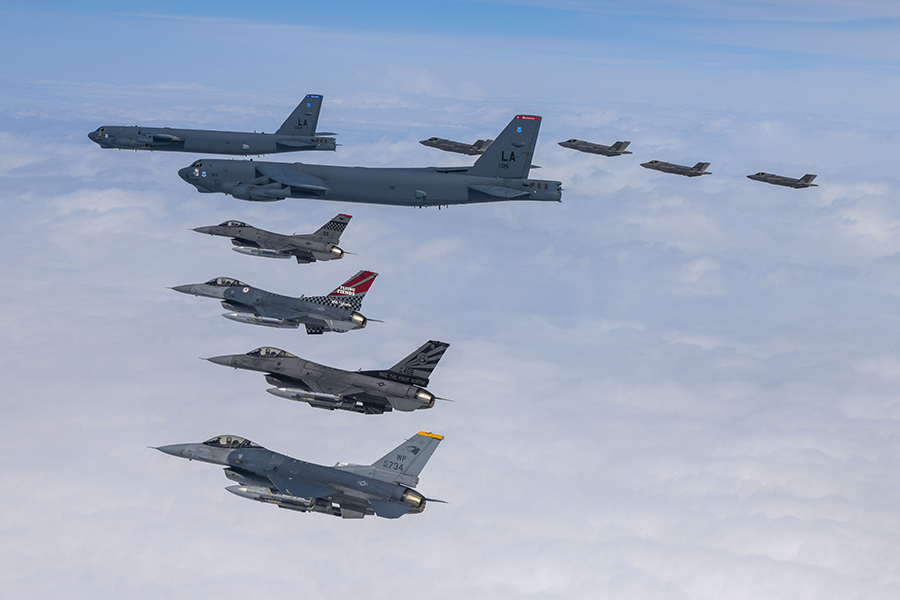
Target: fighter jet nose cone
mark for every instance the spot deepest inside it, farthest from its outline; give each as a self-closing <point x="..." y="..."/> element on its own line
<point x="174" y="449"/>
<point x="202" y="229"/>
<point x="184" y="289"/>
<point x="225" y="361"/>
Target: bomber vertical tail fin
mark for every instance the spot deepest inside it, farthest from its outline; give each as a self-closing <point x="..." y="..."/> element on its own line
<point x="409" y="458"/>
<point x="304" y="119"/>
<point x="509" y="156"/>
<point x="332" y="230"/>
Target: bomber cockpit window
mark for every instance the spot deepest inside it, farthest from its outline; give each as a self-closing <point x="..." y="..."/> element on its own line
<point x="267" y="352"/>
<point x="226" y="282"/>
<point x="233" y="224"/>
<point x="197" y="164"/>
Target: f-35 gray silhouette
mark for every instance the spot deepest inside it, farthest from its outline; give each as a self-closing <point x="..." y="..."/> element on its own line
<point x="695" y="171"/>
<point x="804" y="182"/>
<point x="402" y="387"/>
<point x="306" y="248"/>
<point x="459" y="147"/>
<point x="384" y="488"/>
<point x="617" y="149"/>
<point x="501" y="173"/>
<point x="335" y="312"/>
<point x="298" y="132"/>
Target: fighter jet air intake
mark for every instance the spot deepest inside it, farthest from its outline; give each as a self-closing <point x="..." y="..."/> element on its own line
<point x="384" y="488"/>
<point x="335" y="312"/>
<point x="298" y="132"/>
<point x="402" y="387"/>
<point x="501" y="173"/>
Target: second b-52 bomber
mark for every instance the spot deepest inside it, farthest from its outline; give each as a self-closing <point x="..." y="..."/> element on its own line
<point x="459" y="147"/>
<point x="306" y="248"/>
<point x="617" y="149"/>
<point x="402" y="387"/>
<point x="335" y="312"/>
<point x="298" y="132"/>
<point x="501" y="173"/>
<point x="804" y="182"/>
<point x="695" y="171"/>
<point x="345" y="490"/>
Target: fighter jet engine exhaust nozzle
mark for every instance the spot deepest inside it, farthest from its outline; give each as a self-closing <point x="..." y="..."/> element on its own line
<point x="358" y="320"/>
<point x="427" y="398"/>
<point x="338" y="253"/>
<point x="414" y="499"/>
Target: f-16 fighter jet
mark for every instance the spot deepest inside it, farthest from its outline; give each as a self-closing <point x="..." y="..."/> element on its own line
<point x="501" y="173"/>
<point x="617" y="149"/>
<point x="804" y="182"/>
<point x="695" y="171"/>
<point x="335" y="312"/>
<point x="448" y="146"/>
<point x="370" y="392"/>
<point x="298" y="132"/>
<point x="345" y="490"/>
<point x="308" y="248"/>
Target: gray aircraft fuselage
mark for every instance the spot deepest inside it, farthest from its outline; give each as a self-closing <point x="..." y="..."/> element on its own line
<point x="259" y="307"/>
<point x="804" y="182"/>
<point x="500" y="173"/>
<point x="695" y="171"/>
<point x="459" y="147"/>
<point x="617" y="149"/>
<point x="205" y="141"/>
<point x="369" y="392"/>
<point x="270" y="477"/>
<point x="306" y="248"/>
<point x="427" y="186"/>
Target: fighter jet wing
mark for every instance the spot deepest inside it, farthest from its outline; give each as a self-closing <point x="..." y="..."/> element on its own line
<point x="279" y="312"/>
<point x="299" y="487"/>
<point x="388" y="509"/>
<point x="288" y="175"/>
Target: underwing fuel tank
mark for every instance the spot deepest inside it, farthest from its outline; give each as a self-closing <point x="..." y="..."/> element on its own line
<point x="261" y="494"/>
<point x="264" y="321"/>
<point x="265" y="253"/>
<point x="321" y="399"/>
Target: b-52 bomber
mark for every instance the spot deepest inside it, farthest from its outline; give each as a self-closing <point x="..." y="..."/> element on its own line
<point x="402" y="387"/>
<point x="804" y="182"/>
<point x="306" y="248"/>
<point x="617" y="149"/>
<point x="695" y="171"/>
<point x="298" y="132"/>
<point x="384" y="488"/>
<point x="335" y="312"/>
<point x="501" y="173"/>
<point x="459" y="147"/>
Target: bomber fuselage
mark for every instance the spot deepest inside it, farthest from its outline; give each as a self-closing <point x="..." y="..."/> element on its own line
<point x="239" y="143"/>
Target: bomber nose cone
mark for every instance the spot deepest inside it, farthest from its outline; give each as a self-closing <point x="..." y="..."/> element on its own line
<point x="183" y="173"/>
<point x="225" y="361"/>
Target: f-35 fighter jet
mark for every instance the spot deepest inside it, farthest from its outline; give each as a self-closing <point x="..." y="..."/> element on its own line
<point x="335" y="312"/>
<point x="370" y="392"/>
<point x="804" y="182"/>
<point x="617" y="149"/>
<point x="345" y="490"/>
<point x="449" y="146"/>
<point x="298" y="132"/>
<point x="501" y="173"/>
<point x="307" y="248"/>
<point x="695" y="171"/>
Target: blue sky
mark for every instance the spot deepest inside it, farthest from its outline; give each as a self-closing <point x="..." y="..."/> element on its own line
<point x="664" y="387"/>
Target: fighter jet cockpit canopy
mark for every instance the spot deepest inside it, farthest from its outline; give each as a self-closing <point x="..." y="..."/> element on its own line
<point x="267" y="352"/>
<point x="233" y="224"/>
<point x="225" y="282"/>
<point x="230" y="441"/>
